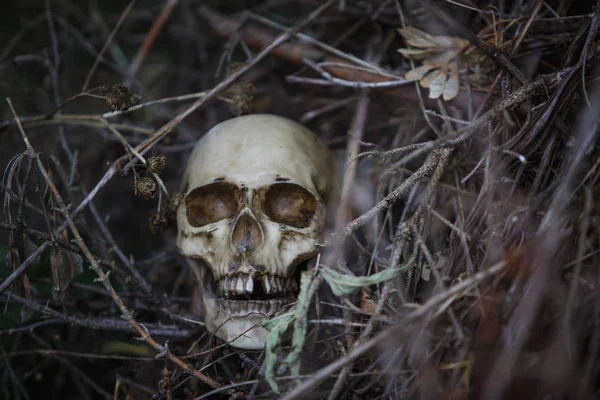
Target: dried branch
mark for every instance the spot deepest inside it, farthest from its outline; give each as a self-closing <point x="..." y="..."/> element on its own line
<point x="102" y="277"/>
<point x="107" y="43"/>
<point x="362" y="349"/>
<point x="90" y="323"/>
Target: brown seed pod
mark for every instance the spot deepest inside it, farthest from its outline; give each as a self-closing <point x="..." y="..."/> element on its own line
<point x="119" y="97"/>
<point x="241" y="95"/>
<point x="173" y="204"/>
<point x="145" y="187"/>
<point x="156" y="164"/>
<point x="166" y="383"/>
<point x="158" y="222"/>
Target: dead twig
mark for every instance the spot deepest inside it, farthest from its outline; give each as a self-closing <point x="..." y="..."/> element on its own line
<point x="102" y="277"/>
<point x="364" y="348"/>
<point x="90" y="323"/>
<point x="424" y="171"/>
<point x="513" y="51"/>
<point x="150" y="38"/>
<point x="107" y="43"/>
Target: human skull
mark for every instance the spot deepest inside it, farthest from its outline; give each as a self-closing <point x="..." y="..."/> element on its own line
<point x="255" y="194"/>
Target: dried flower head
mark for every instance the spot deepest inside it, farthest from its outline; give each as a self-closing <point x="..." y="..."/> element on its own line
<point x="173" y="204"/>
<point x="166" y="384"/>
<point x="145" y="187"/>
<point x="158" y="222"/>
<point x="241" y="93"/>
<point x="156" y="164"/>
<point x="119" y="97"/>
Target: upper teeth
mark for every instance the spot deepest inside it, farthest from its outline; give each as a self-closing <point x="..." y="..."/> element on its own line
<point x="244" y="284"/>
<point x="239" y="285"/>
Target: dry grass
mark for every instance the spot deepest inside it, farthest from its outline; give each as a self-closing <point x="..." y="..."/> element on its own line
<point x="478" y="212"/>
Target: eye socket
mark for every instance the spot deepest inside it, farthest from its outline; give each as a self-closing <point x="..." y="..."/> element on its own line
<point x="290" y="204"/>
<point x="211" y="203"/>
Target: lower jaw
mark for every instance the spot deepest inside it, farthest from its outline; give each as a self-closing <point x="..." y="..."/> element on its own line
<point x="239" y="322"/>
<point x="244" y="307"/>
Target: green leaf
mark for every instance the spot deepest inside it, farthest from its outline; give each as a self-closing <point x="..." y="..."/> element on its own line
<point x="279" y="326"/>
<point x="342" y="284"/>
<point x="300" y="323"/>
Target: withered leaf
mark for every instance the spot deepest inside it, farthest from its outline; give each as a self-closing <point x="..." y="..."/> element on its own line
<point x="26" y="312"/>
<point x="418" y="73"/>
<point x="418" y="54"/>
<point x="65" y="267"/>
<point x="452" y="85"/>
<point x="366" y="303"/>
<point x="22" y="285"/>
<point x="28" y="246"/>
<point x="439" y="69"/>
<point x="435" y="81"/>
<point x="418" y="38"/>
<point x="14" y="260"/>
<point x="441" y="60"/>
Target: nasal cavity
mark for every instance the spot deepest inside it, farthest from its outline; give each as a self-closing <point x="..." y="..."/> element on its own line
<point x="247" y="234"/>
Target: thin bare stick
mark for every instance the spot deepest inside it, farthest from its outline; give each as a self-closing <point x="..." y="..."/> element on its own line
<point x="107" y="43"/>
<point x="357" y="85"/>
<point x="100" y="323"/>
<point x="343" y="215"/>
<point x="387" y="153"/>
<point x="387" y="201"/>
<point x="150" y="38"/>
<point x="185" y="97"/>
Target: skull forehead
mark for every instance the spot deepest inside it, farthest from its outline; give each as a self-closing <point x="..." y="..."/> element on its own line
<point x="256" y="149"/>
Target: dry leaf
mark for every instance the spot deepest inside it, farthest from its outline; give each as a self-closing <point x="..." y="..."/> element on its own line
<point x="367" y="304"/>
<point x="417" y="54"/>
<point x="26" y="312"/>
<point x="65" y="266"/>
<point x="22" y="286"/>
<point x="418" y="73"/>
<point x="418" y="38"/>
<point x="435" y="81"/>
<point x="452" y="84"/>
<point x="438" y="262"/>
<point x="439" y="71"/>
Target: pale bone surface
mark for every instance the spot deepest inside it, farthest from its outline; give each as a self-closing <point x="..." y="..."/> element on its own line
<point x="256" y="189"/>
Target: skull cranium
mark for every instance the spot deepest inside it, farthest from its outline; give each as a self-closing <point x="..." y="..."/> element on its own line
<point x="256" y="189"/>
